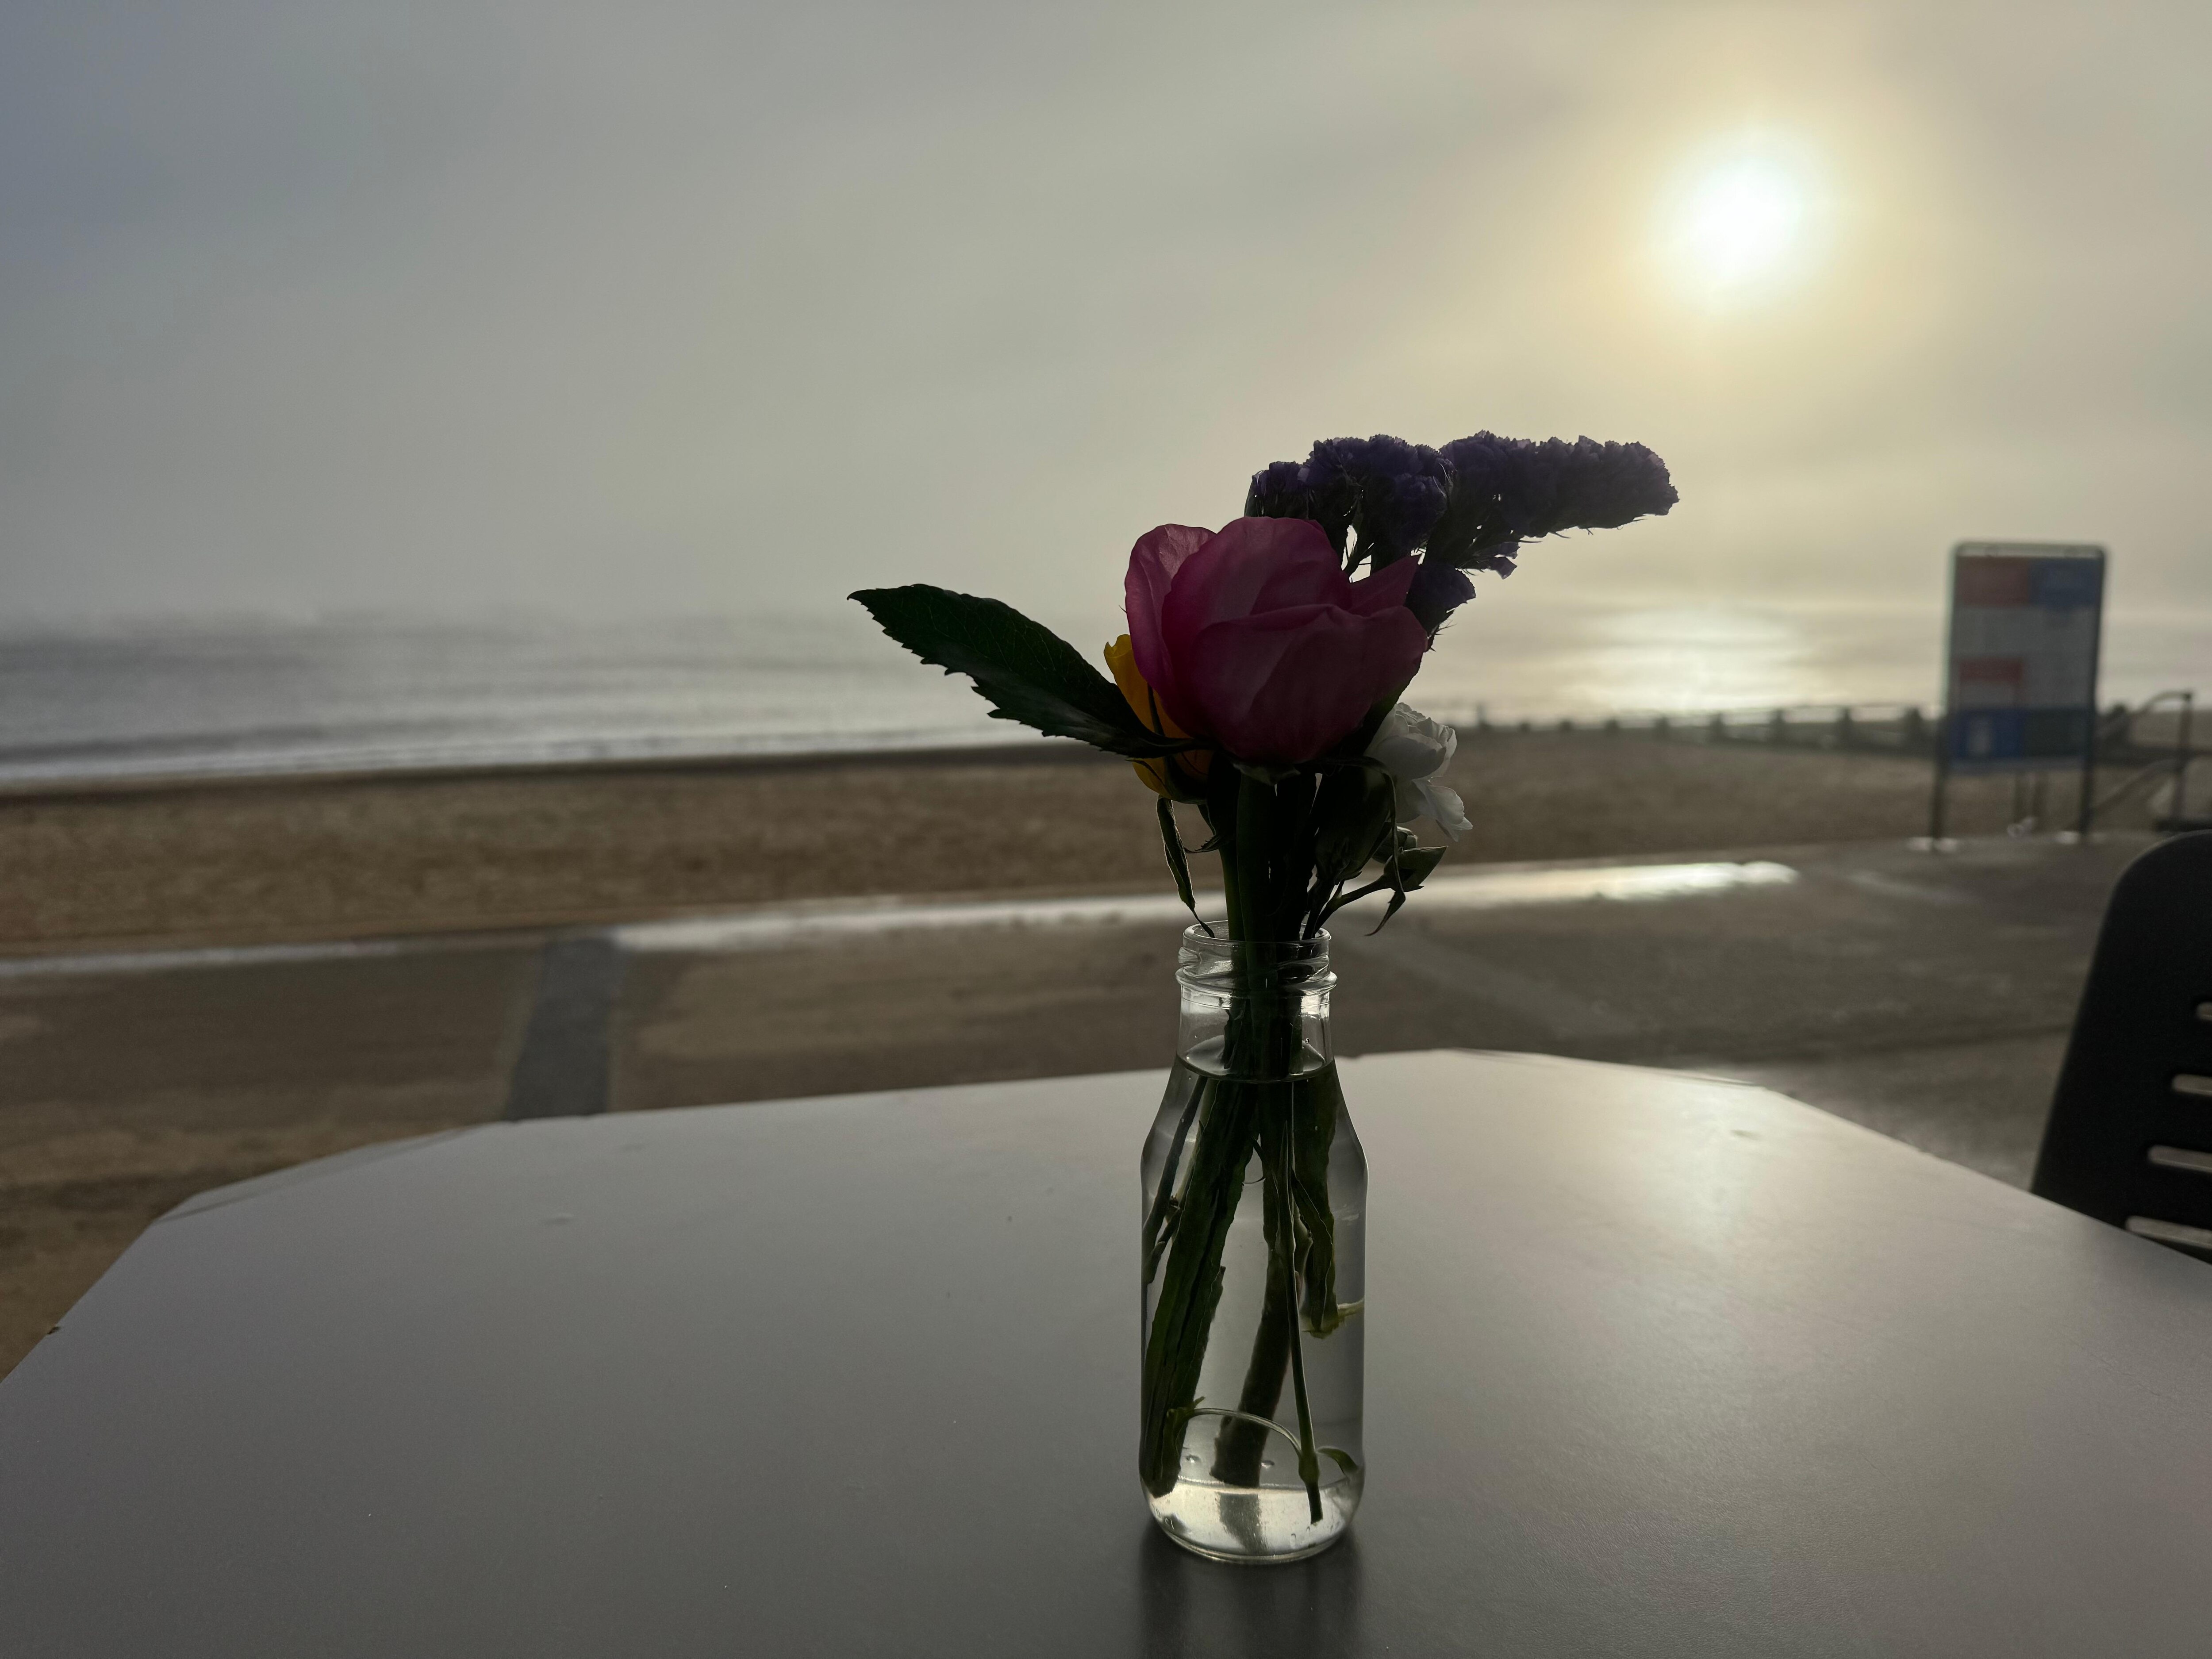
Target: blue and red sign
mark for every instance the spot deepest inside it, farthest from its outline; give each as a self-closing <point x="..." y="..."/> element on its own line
<point x="2021" y="686"/>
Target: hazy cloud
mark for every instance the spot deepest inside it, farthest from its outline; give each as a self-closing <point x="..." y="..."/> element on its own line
<point x="665" y="307"/>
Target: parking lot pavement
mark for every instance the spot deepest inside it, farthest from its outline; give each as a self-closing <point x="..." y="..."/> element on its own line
<point x="1926" y="995"/>
<point x="127" y="1086"/>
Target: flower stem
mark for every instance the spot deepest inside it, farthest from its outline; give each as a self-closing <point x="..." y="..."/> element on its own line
<point x="1251" y="846"/>
<point x="1241" y="1445"/>
<point x="1256" y="1104"/>
<point x="1191" y="1281"/>
<point x="1159" y="1224"/>
<point x="1269" y="1053"/>
<point x="1309" y="1463"/>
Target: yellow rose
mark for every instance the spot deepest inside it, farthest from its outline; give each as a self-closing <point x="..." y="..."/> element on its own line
<point x="1173" y="775"/>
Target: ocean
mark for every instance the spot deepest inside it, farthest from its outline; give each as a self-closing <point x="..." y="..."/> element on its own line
<point x="367" y="694"/>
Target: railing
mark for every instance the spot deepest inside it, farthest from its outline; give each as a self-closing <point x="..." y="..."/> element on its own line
<point x="2154" y="730"/>
<point x="2131" y="737"/>
<point x="1876" y="728"/>
<point x="2155" y="738"/>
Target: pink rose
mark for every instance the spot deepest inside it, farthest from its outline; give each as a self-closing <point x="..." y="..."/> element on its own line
<point x="1256" y="637"/>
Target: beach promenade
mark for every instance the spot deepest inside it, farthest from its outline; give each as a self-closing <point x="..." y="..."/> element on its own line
<point x="177" y="1027"/>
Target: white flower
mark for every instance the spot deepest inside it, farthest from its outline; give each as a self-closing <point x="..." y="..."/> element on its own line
<point x="1412" y="748"/>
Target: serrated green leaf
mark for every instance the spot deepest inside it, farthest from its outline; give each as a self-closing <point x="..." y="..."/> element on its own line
<point x="1025" y="671"/>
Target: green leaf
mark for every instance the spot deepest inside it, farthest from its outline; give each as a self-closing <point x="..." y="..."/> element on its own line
<point x="1342" y="1314"/>
<point x="1025" y="671"/>
<point x="1178" y="861"/>
<point x="1417" y="865"/>
<point x="1352" y="897"/>
<point x="1408" y="866"/>
<point x="1343" y="1459"/>
<point x="1354" y="812"/>
<point x="1315" y="1111"/>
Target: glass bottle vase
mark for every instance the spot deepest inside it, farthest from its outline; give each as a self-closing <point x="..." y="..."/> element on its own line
<point x="1254" y="1262"/>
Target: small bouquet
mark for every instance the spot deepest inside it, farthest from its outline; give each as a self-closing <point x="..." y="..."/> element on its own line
<point x="1260" y="683"/>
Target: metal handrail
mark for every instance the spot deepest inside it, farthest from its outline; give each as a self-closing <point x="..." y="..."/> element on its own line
<point x="1791" y="717"/>
<point x="2176" y="763"/>
<point x="1875" y="727"/>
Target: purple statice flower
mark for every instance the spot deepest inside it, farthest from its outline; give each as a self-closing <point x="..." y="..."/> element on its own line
<point x="1402" y="493"/>
<point x="1278" y="492"/>
<point x="1438" y="590"/>
<point x="1472" y="504"/>
<point x="1508" y="490"/>
<point x="1331" y="476"/>
<point x="1386" y="490"/>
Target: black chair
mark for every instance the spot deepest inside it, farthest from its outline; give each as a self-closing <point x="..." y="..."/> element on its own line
<point x="2130" y="1139"/>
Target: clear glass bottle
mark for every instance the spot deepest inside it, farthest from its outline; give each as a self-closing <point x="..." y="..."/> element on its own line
<point x="1254" y="1262"/>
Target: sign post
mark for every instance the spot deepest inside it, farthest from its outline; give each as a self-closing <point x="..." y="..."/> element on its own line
<point x="2020" y="674"/>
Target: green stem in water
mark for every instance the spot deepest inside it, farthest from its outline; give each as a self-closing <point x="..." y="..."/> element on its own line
<point x="1190" y="1283"/>
<point x="1309" y="1463"/>
<point x="1240" y="1446"/>
<point x="1319" y="1108"/>
<point x="1159" y="1226"/>
<point x="1257" y="1105"/>
<point x="1239" y="1449"/>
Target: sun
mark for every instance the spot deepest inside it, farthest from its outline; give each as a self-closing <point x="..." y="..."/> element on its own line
<point x="1739" y="222"/>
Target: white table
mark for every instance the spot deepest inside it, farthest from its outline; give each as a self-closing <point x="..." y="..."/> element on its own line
<point x="1657" y="1365"/>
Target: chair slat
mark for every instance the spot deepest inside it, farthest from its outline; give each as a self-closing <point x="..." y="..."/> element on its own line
<point x="2130" y="1119"/>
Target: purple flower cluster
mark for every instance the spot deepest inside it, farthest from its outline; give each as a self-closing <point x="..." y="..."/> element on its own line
<point x="1386" y="490"/>
<point x="1509" y="490"/>
<point x="1471" y="504"/>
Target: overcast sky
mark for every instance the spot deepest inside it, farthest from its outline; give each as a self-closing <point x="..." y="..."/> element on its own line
<point x="665" y="307"/>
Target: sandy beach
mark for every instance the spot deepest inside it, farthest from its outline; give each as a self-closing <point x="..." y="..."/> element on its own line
<point x="342" y="859"/>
